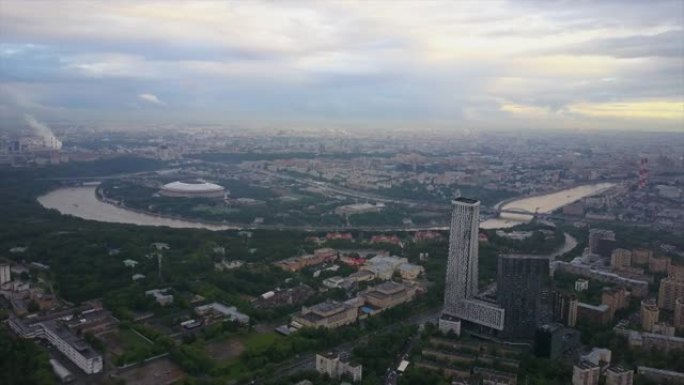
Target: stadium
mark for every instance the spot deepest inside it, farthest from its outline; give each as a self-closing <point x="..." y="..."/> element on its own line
<point x="193" y="190"/>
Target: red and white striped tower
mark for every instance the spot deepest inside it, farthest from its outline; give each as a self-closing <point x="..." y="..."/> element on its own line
<point x="643" y="172"/>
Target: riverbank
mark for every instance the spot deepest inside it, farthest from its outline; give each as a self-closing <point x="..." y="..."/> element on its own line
<point x="87" y="202"/>
<point x="546" y="203"/>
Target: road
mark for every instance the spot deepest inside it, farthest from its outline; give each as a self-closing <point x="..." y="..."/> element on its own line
<point x="332" y="188"/>
<point x="392" y="376"/>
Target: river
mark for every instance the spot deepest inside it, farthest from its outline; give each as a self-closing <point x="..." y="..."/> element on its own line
<point x="546" y="203"/>
<point x="81" y="202"/>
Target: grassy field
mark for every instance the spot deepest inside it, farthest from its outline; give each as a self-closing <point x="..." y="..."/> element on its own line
<point x="260" y="340"/>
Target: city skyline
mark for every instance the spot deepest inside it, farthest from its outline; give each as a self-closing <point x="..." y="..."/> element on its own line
<point x="453" y="66"/>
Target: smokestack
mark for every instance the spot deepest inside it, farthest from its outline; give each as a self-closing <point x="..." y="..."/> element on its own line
<point x="49" y="139"/>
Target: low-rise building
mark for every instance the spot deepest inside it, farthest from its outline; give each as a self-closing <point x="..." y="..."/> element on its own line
<point x="388" y="294"/>
<point x="449" y="324"/>
<point x="618" y="375"/>
<point x="598" y="356"/>
<point x="660" y="376"/>
<point x="585" y="373"/>
<point x="664" y="328"/>
<point x="339" y="236"/>
<point x="382" y="271"/>
<point x="297" y="263"/>
<point x="130" y="262"/>
<point x="391" y="239"/>
<point x="91" y="321"/>
<point x="289" y="296"/>
<point x="596" y="315"/>
<point x="337" y="366"/>
<point x="665" y="343"/>
<point x="333" y="282"/>
<point x="554" y="340"/>
<point x="581" y="285"/>
<point x="161" y="296"/>
<point x="421" y="236"/>
<point x="61" y="337"/>
<point x="638" y="288"/>
<point x="410" y="271"/>
<point x="362" y="276"/>
<point x="329" y="314"/>
<point x="216" y="311"/>
<point x="495" y="377"/>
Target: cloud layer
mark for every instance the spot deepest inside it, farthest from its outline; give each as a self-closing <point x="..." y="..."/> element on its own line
<point x="451" y="65"/>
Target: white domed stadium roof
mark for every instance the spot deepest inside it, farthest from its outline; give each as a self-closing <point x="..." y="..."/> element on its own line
<point x="200" y="187"/>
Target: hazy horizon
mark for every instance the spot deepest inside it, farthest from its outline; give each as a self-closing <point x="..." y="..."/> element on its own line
<point x="445" y="66"/>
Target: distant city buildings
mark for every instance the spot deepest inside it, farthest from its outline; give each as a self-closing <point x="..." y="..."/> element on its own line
<point x="638" y="288"/>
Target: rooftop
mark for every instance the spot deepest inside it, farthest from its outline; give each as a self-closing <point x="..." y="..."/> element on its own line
<point x="467" y="201"/>
<point x="586" y="365"/>
<point x="192" y="187"/>
<point x="70" y="338"/>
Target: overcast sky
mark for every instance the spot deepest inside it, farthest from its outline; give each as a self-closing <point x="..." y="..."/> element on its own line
<point x="452" y="65"/>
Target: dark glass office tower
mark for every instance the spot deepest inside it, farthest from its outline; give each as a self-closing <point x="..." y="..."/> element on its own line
<point x="522" y="291"/>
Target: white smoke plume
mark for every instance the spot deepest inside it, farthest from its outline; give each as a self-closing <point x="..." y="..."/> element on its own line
<point x="49" y="139"/>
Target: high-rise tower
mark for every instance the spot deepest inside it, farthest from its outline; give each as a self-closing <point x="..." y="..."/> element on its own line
<point x="521" y="291"/>
<point x="462" y="276"/>
<point x="461" y="284"/>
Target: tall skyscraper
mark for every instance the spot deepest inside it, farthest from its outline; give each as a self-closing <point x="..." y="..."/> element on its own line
<point x="522" y="284"/>
<point x="462" y="275"/>
<point x="462" y="269"/>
